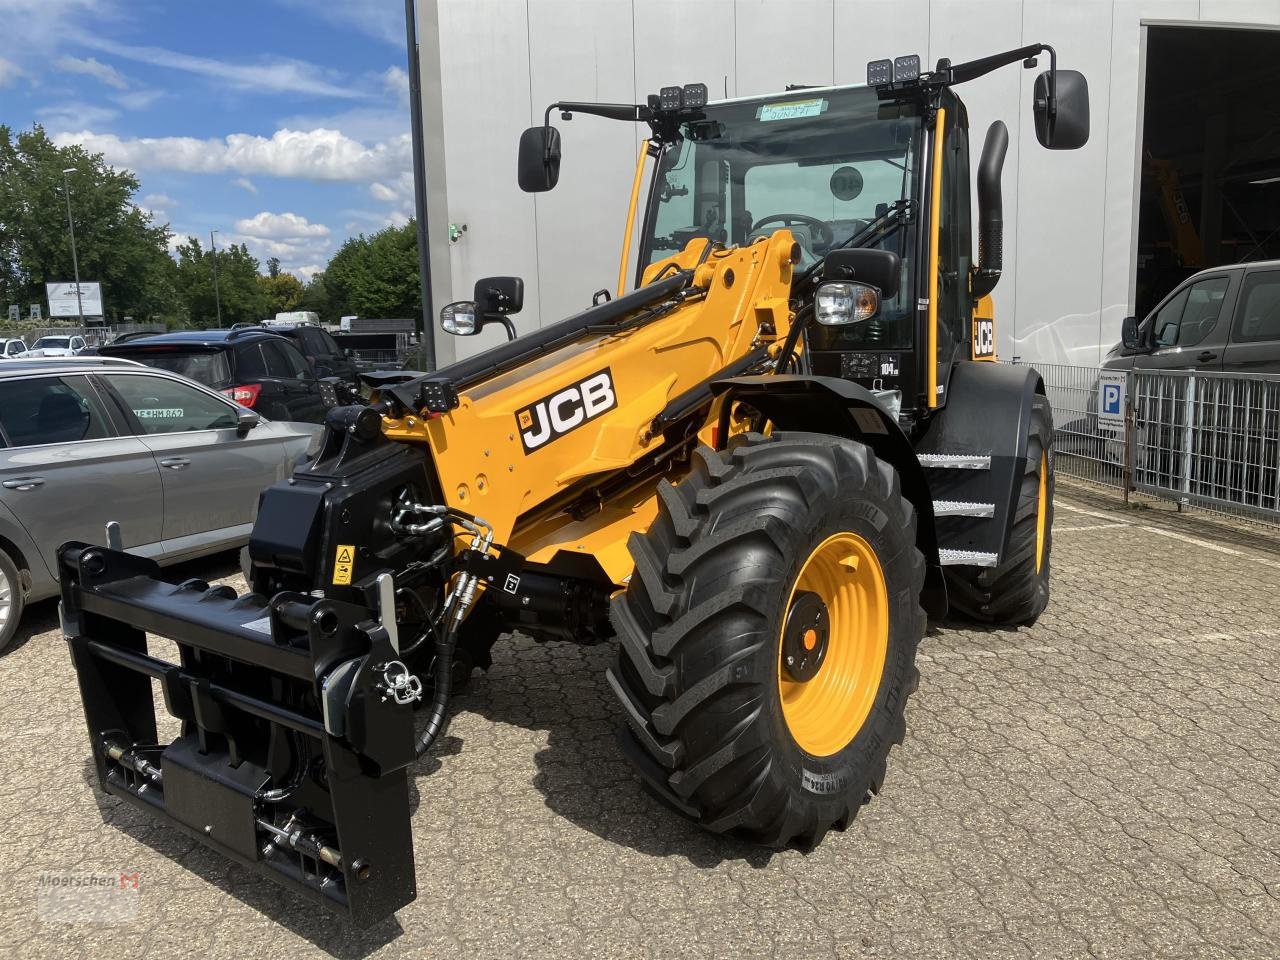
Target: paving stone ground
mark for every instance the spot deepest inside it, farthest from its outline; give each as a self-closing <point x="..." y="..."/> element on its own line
<point x="1103" y="784"/>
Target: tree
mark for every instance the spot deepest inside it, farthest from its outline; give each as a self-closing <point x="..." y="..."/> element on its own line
<point x="376" y="276"/>
<point x="283" y="291"/>
<point x="315" y="297"/>
<point x="239" y="291"/>
<point x="118" y="245"/>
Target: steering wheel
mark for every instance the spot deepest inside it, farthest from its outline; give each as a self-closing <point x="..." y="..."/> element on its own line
<point x="825" y="234"/>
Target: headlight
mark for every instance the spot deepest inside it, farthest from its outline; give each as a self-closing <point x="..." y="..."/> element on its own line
<point x="839" y="303"/>
<point x="459" y="318"/>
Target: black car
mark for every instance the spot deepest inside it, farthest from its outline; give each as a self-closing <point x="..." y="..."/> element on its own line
<point x="255" y="367"/>
<point x="1225" y="318"/>
<point x="327" y="359"/>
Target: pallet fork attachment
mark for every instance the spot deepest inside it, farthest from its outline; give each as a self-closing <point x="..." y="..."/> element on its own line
<point x="295" y="726"/>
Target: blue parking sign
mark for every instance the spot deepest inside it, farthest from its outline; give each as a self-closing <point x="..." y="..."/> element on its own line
<point x="1111" y="397"/>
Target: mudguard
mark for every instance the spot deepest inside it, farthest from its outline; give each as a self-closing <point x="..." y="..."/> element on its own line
<point x="845" y="409"/>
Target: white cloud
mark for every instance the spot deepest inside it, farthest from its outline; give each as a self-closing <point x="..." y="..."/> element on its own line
<point x="9" y="72"/>
<point x="157" y="205"/>
<point x="395" y="81"/>
<point x="280" y="226"/>
<point x="380" y="19"/>
<point x="380" y="191"/>
<point x="137" y="99"/>
<point x="75" y="115"/>
<point x="310" y="154"/>
<point x="89" y="67"/>
<point x="275" y="76"/>
<point x="244" y="183"/>
<point x="307" y="271"/>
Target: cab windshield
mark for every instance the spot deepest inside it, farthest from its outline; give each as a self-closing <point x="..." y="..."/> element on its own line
<point x="823" y="163"/>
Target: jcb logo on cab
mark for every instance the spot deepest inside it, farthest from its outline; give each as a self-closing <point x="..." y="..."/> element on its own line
<point x="567" y="409"/>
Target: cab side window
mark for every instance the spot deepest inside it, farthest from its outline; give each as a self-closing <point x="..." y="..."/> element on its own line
<point x="51" y="410"/>
<point x="1192" y="315"/>
<point x="161" y="405"/>
<point x="1259" y="315"/>
<point x="284" y="360"/>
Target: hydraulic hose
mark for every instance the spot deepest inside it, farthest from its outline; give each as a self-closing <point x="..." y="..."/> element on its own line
<point x="793" y="335"/>
<point x="437" y="716"/>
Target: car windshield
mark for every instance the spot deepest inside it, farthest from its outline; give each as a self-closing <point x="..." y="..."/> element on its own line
<point x="53" y="343"/>
<point x="211" y="369"/>
<point x="823" y="163"/>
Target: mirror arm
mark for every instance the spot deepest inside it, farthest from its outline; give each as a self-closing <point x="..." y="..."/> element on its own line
<point x="506" y="322"/>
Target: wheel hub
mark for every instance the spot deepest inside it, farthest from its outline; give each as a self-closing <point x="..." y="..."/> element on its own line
<point x="805" y="636"/>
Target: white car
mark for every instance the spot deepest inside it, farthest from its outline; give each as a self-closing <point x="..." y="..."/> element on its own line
<point x="57" y="347"/>
<point x="12" y="347"/>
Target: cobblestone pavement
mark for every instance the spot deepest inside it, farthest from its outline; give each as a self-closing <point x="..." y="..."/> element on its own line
<point x="1103" y="784"/>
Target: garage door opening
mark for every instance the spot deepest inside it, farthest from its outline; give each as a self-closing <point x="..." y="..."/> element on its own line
<point x="1210" y="190"/>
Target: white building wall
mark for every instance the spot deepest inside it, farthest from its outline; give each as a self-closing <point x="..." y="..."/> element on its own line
<point x="1070" y="217"/>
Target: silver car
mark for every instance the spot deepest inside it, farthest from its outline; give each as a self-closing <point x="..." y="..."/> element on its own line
<point x="87" y="440"/>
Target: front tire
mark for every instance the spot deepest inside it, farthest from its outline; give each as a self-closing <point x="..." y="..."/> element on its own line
<point x="767" y="638"/>
<point x="1017" y="591"/>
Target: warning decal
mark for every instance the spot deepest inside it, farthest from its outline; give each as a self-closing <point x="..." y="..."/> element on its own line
<point x="343" y="562"/>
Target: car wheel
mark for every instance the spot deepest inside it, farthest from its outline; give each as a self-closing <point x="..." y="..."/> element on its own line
<point x="12" y="599"/>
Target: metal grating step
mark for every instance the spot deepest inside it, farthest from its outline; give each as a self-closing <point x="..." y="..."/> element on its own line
<point x="955" y="461"/>
<point x="967" y="558"/>
<point x="960" y="508"/>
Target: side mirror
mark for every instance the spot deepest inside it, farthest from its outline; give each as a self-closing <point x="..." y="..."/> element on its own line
<point x="875" y="268"/>
<point x="1129" y="337"/>
<point x="1067" y="126"/>
<point x="246" y="420"/>
<point x="500" y="295"/>
<point x="538" y="168"/>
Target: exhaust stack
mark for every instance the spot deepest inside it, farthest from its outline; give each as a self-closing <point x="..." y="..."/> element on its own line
<point x="990" y="210"/>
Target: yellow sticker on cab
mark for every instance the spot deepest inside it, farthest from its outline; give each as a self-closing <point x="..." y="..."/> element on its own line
<point x="344" y="561"/>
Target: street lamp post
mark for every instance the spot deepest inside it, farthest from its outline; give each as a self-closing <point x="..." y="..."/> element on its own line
<point x="75" y="261"/>
<point x="217" y="296"/>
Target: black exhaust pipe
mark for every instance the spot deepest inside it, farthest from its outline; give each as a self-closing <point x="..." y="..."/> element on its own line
<point x="990" y="210"/>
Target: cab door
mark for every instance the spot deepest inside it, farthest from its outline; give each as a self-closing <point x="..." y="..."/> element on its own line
<point x="66" y="470"/>
<point x="1254" y="346"/>
<point x="1189" y="331"/>
<point x="211" y="474"/>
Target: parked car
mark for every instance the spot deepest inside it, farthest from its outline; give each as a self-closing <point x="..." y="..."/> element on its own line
<point x="326" y="357"/>
<point x="12" y="347"/>
<point x="1224" y="318"/>
<point x="84" y="441"/>
<point x="253" y="366"/>
<point x="58" y="346"/>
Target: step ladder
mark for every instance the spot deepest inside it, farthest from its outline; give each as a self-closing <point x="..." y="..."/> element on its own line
<point x="943" y="469"/>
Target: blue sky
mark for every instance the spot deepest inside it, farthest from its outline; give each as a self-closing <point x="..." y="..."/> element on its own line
<point x="282" y="124"/>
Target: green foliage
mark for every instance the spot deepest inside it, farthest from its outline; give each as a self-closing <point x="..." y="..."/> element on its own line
<point x="117" y="244"/>
<point x="283" y="291"/>
<point x="376" y="276"/>
<point x="315" y="297"/>
<point x="239" y="290"/>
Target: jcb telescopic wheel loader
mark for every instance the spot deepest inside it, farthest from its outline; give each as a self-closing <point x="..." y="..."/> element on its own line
<point x="757" y="470"/>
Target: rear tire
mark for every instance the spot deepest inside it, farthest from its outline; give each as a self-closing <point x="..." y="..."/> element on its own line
<point x="1017" y="591"/>
<point x="12" y="599"/>
<point x="712" y="722"/>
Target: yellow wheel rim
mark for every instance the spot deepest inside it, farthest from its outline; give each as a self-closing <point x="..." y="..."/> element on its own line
<point x="1042" y="510"/>
<point x="825" y="712"/>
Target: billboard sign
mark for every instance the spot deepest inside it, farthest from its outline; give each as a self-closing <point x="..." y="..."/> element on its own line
<point x="62" y="299"/>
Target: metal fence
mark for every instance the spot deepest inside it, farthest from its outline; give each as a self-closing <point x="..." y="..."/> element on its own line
<point x="1202" y="439"/>
<point x="93" y="336"/>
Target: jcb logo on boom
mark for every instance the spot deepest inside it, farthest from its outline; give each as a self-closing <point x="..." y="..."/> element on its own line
<point x="552" y="417"/>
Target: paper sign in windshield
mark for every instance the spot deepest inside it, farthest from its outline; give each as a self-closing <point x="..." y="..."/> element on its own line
<point x="159" y="413"/>
<point x="792" y="110"/>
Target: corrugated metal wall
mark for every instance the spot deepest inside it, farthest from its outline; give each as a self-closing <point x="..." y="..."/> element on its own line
<point x="1069" y="217"/>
